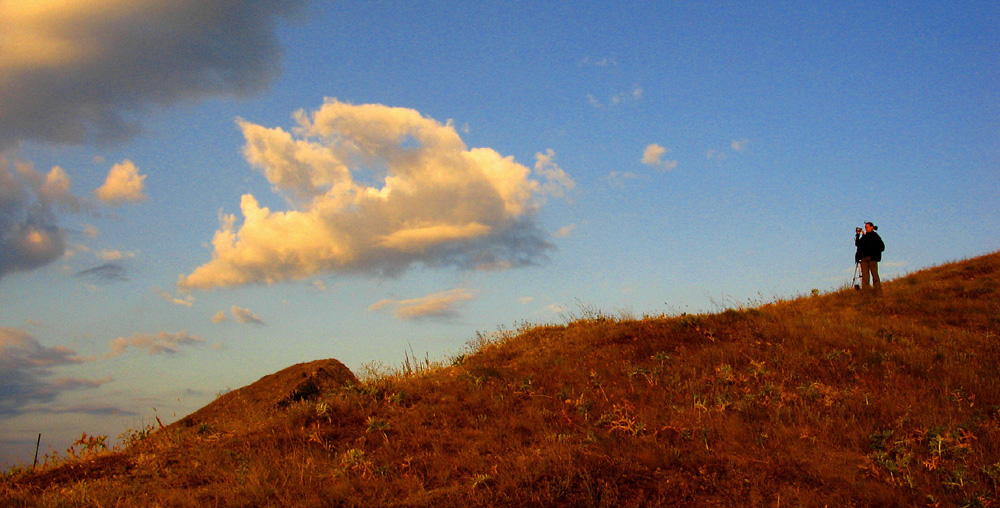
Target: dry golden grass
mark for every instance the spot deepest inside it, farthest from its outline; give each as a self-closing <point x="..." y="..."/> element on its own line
<point x="831" y="400"/>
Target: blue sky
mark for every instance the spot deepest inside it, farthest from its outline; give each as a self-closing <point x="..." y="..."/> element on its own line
<point x="196" y="195"/>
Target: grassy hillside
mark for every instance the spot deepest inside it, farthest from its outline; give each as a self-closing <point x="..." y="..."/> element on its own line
<point x="829" y="400"/>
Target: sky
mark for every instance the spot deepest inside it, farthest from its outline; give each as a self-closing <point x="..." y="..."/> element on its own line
<point x="197" y="193"/>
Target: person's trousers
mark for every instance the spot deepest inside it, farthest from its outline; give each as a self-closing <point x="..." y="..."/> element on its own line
<point x="869" y="275"/>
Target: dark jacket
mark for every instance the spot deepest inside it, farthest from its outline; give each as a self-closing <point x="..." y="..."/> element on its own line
<point x="869" y="246"/>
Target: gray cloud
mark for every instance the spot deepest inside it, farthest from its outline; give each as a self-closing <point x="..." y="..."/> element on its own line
<point x="89" y="409"/>
<point x="112" y="271"/>
<point x="25" y="368"/>
<point x="85" y="72"/>
<point x="29" y="236"/>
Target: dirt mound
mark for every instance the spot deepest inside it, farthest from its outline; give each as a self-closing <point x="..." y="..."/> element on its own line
<point x="303" y="381"/>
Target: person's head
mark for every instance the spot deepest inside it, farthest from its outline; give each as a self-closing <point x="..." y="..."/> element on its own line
<point x="869" y="227"/>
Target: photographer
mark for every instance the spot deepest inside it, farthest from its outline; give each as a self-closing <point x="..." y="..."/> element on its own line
<point x="868" y="255"/>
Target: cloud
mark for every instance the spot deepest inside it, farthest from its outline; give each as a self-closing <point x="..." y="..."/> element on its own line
<point x="89" y="409"/>
<point x="68" y="383"/>
<point x="618" y="178"/>
<point x="376" y="189"/>
<point x="245" y="316"/>
<point x="75" y="72"/>
<point x="26" y="365"/>
<point x="219" y="317"/>
<point x="110" y="255"/>
<point x="187" y="301"/>
<point x="79" y="71"/>
<point x="29" y="236"/>
<point x="713" y="154"/>
<point x="633" y="95"/>
<point x="599" y="61"/>
<point x="739" y="145"/>
<point x="565" y="231"/>
<point x="557" y="182"/>
<point x="158" y="343"/>
<point x="438" y="305"/>
<point x="112" y="271"/>
<point x="18" y="348"/>
<point x="653" y="156"/>
<point x="124" y="184"/>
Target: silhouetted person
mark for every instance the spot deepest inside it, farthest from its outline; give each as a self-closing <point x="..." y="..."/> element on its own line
<point x="868" y="255"/>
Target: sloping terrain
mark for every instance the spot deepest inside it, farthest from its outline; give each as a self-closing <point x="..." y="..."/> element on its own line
<point x="298" y="383"/>
<point x="840" y="399"/>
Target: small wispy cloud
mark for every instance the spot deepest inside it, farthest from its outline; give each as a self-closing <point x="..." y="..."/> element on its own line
<point x="619" y="178"/>
<point x="110" y="255"/>
<point x="556" y="181"/>
<point x="602" y="61"/>
<point x="87" y="409"/>
<point x="187" y="301"/>
<point x="112" y="271"/>
<point x="717" y="155"/>
<point x="438" y="305"/>
<point x="653" y="155"/>
<point x="69" y="383"/>
<point x="634" y="94"/>
<point x="153" y="344"/>
<point x="739" y="145"/>
<point x="735" y="146"/>
<point x="565" y="231"/>
<point x="245" y="316"/>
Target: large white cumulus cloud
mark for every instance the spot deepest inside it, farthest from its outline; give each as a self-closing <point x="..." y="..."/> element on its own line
<point x="73" y="71"/>
<point x="372" y="188"/>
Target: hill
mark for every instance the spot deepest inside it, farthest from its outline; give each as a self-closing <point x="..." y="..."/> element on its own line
<point x="839" y="399"/>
